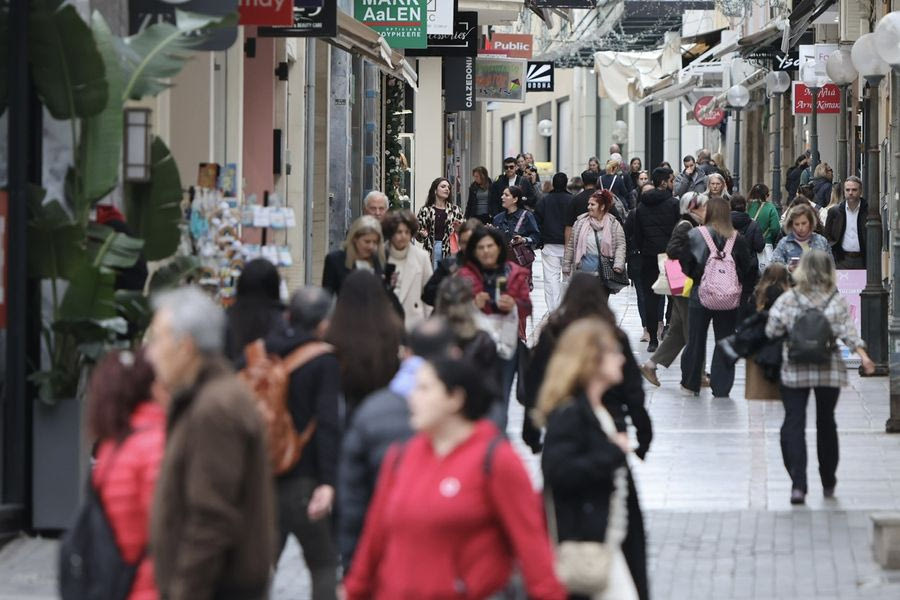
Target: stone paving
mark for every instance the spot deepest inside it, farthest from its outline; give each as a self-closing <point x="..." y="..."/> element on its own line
<point x="715" y="496"/>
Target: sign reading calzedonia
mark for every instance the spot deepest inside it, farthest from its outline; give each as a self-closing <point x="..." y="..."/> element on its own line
<point x="402" y="23"/>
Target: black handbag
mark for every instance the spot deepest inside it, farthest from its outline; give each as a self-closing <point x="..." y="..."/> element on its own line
<point x="613" y="281"/>
<point x="522" y="253"/>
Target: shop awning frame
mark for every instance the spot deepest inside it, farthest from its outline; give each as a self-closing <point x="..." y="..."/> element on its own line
<point x="356" y="38"/>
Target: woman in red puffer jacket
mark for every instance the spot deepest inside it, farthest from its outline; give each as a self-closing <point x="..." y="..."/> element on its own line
<point x="129" y="427"/>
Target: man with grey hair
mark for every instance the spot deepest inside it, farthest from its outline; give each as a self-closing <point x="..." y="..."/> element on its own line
<point x="845" y="227"/>
<point x="212" y="532"/>
<point x="306" y="492"/>
<point x="376" y="205"/>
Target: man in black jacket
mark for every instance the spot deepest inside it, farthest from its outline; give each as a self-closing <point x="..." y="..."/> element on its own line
<point x="511" y="177"/>
<point x="848" y="244"/>
<point x="655" y="218"/>
<point x="306" y="492"/>
<point x="552" y="218"/>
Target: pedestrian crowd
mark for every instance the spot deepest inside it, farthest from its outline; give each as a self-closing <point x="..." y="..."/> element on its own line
<point x="367" y="417"/>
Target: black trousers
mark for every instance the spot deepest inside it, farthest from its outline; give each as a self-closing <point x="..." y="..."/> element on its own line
<point x="315" y="537"/>
<point x="649" y="274"/>
<point x="793" y="434"/>
<point x="721" y="376"/>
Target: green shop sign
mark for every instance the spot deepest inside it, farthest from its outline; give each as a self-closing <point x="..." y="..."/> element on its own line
<point x="403" y="23"/>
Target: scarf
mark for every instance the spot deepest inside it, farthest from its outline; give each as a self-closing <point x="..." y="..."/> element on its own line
<point x="804" y="240"/>
<point x="398" y="255"/>
<point x="591" y="225"/>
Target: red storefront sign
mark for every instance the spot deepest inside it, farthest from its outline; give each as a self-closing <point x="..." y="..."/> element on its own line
<point x="828" y="100"/>
<point x="266" y="12"/>
<point x="511" y="45"/>
<point x="707" y="118"/>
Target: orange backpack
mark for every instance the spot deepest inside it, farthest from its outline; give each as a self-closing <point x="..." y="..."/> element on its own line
<point x="268" y="377"/>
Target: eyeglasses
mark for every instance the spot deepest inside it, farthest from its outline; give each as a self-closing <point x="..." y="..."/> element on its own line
<point x="508" y="167"/>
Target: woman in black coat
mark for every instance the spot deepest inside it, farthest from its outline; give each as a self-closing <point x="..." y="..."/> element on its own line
<point x="584" y="460"/>
<point x="586" y="297"/>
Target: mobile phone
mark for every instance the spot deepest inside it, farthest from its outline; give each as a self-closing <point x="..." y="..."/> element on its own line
<point x="795" y="261"/>
<point x="389" y="271"/>
<point x="501" y="285"/>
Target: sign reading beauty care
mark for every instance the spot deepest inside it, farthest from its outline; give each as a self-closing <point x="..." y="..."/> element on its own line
<point x="402" y="23"/>
<point x="706" y="117"/>
<point x="828" y="99"/>
<point x="441" y="14"/>
<point x="511" y="45"/>
<point x="500" y="79"/>
<point x="463" y="42"/>
<point x="266" y="12"/>
<point x="459" y="83"/>
<point x="310" y="20"/>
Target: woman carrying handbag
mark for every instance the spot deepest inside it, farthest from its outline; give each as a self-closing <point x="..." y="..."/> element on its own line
<point x="597" y="244"/>
<point x="584" y="465"/>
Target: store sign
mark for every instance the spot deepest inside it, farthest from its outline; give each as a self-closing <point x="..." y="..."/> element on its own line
<point x="511" y="45"/>
<point x="266" y="12"/>
<point x="786" y="62"/>
<point x="441" y="17"/>
<point x="459" y="83"/>
<point x="706" y="117"/>
<point x="500" y="79"/>
<point x="143" y="13"/>
<point x="463" y="42"/>
<point x="564" y="3"/>
<point x="402" y="23"/>
<point x="310" y="20"/>
<point x="828" y="99"/>
<point x="539" y="77"/>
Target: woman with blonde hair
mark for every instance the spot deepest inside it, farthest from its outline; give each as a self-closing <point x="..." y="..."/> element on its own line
<point x="837" y="196"/>
<point x="584" y="465"/>
<point x="362" y="249"/>
<point x="719" y="235"/>
<point x="799" y="226"/>
<point x="819" y="368"/>
<point x="614" y="181"/>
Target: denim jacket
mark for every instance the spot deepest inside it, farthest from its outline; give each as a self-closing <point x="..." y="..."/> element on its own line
<point x="789" y="248"/>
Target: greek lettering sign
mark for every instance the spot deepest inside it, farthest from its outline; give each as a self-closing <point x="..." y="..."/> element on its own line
<point x="511" y="45"/>
<point x="707" y="118"/>
<point x="459" y="83"/>
<point x="266" y="12"/>
<point x="828" y="100"/>
<point x="500" y="79"/>
<point x="441" y="15"/>
<point x="539" y="77"/>
<point x="143" y="13"/>
<point x="401" y="22"/>
<point x="310" y="20"/>
<point x="463" y="42"/>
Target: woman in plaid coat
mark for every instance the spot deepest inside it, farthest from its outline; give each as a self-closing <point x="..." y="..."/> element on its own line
<point x="815" y="287"/>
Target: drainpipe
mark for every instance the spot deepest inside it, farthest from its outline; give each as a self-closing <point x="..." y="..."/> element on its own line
<point x="310" y="160"/>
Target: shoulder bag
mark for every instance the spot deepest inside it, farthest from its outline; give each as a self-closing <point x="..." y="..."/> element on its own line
<point x="521" y="253"/>
<point x="613" y="281"/>
<point x="764" y="258"/>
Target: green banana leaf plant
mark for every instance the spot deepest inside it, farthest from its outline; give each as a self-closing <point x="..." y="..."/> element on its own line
<point x="84" y="74"/>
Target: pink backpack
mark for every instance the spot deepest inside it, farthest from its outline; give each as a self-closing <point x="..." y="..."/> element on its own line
<point x="719" y="286"/>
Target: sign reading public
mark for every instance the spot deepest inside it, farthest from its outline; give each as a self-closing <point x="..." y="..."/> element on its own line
<point x="539" y="77"/>
<point x="510" y="45"/>
<point x="459" y="83"/>
<point x="828" y="100"/>
<point x="402" y="23"/>
<point x="266" y="12"/>
<point x="463" y="42"/>
<point x="708" y="117"/>
<point x="500" y="79"/>
<point x="310" y="20"/>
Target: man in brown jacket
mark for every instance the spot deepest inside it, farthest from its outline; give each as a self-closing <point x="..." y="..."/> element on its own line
<point x="213" y="523"/>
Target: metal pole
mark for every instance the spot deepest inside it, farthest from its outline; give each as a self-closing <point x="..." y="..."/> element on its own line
<point x="841" y="167"/>
<point x="14" y="487"/>
<point x="736" y="175"/>
<point x="814" y="131"/>
<point x="893" y="422"/>
<point x="310" y="174"/>
<point x="776" y="167"/>
<point x="874" y="297"/>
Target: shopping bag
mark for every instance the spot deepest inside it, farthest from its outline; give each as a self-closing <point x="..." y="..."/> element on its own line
<point x="675" y="276"/>
<point x="764" y="258"/>
<point x="661" y="285"/>
<point x="688" y="286"/>
<point x="454" y="244"/>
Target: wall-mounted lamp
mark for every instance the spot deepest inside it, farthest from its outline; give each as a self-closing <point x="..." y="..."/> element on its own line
<point x="136" y="154"/>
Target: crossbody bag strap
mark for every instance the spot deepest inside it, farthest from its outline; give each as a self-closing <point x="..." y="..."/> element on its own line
<point x="519" y="223"/>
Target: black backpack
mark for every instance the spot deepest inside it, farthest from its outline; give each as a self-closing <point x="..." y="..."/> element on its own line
<point x="91" y="566"/>
<point x="811" y="340"/>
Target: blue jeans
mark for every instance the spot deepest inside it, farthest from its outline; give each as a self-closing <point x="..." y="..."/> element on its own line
<point x="500" y="411"/>
<point x="437" y="254"/>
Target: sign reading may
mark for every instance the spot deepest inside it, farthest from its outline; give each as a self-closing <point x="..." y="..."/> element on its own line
<point x="402" y="23"/>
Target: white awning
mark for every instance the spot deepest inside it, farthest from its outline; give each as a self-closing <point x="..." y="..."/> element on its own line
<point x="624" y="77"/>
<point x="353" y="36"/>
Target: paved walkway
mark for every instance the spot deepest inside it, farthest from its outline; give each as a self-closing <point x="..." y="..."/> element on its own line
<point x="715" y="495"/>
